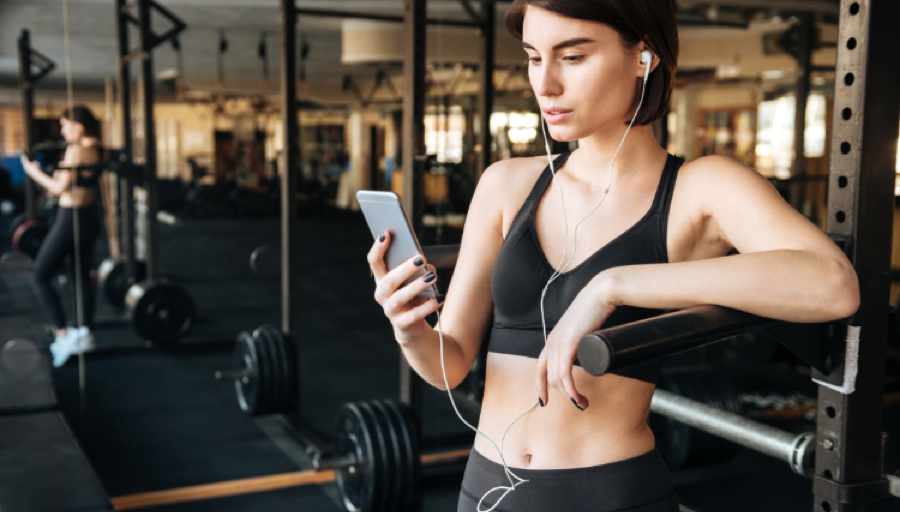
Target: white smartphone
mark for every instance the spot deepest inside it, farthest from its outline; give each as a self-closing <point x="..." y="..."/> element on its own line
<point x="384" y="212"/>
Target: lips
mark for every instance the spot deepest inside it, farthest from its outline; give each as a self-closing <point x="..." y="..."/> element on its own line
<point x="555" y="114"/>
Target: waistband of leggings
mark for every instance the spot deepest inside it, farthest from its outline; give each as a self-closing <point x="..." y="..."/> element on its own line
<point x="638" y="463"/>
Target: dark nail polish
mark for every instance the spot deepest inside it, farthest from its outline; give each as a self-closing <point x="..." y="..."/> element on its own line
<point x="440" y="298"/>
<point x="381" y="238"/>
<point x="580" y="408"/>
<point x="541" y="401"/>
<point x="428" y="277"/>
<point x="418" y="261"/>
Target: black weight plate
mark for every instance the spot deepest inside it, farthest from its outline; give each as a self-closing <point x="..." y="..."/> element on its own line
<point x="266" y="384"/>
<point x="382" y="463"/>
<point x="288" y="381"/>
<point x="281" y="392"/>
<point x="352" y="437"/>
<point x="245" y="359"/>
<point x="112" y="281"/>
<point x="411" y="456"/>
<point x="392" y="437"/>
<point x="292" y="372"/>
<point x="160" y="312"/>
<point x="263" y="345"/>
<point x="29" y="236"/>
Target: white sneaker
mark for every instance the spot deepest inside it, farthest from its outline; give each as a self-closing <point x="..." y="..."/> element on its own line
<point x="85" y="340"/>
<point x="63" y="347"/>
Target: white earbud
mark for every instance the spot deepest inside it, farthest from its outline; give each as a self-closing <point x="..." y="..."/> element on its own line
<point x="646" y="58"/>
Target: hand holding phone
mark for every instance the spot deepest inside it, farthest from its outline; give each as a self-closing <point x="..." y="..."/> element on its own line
<point x="405" y="286"/>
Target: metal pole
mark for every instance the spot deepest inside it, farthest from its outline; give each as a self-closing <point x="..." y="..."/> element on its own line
<point x="861" y="205"/>
<point x="150" y="183"/>
<point x="290" y="167"/>
<point x="126" y="186"/>
<point x="795" y="449"/>
<point x="486" y="91"/>
<point x="26" y="89"/>
<point x="801" y="93"/>
<point x="413" y="158"/>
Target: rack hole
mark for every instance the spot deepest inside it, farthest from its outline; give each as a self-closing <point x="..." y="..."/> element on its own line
<point x="854" y="8"/>
<point x="830" y="410"/>
<point x="851" y="43"/>
<point x="826" y="506"/>
<point x="827" y="474"/>
<point x="848" y="79"/>
<point x="842" y="181"/>
<point x="846" y="114"/>
<point x="845" y="148"/>
<point x="841" y="217"/>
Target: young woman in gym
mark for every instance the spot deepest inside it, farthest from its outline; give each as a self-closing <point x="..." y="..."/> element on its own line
<point x="76" y="192"/>
<point x="652" y="234"/>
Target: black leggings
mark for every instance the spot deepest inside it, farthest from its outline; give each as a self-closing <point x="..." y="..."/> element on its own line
<point x="639" y="484"/>
<point x="59" y="248"/>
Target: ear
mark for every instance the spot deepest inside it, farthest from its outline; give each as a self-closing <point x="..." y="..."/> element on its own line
<point x="642" y="67"/>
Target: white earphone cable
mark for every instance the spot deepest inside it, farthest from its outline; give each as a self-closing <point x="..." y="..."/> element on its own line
<point x="556" y="273"/>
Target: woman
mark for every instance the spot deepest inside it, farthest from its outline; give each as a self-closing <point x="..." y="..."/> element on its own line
<point x="655" y="242"/>
<point x="76" y="191"/>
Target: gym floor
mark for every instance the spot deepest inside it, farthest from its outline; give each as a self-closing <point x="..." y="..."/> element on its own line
<point x="153" y="419"/>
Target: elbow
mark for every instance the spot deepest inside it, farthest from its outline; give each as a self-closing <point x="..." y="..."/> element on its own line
<point x="844" y="295"/>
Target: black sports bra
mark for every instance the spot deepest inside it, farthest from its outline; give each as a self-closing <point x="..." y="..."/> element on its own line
<point x="521" y="272"/>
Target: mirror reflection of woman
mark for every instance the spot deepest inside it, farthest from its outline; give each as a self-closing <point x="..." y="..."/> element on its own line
<point x="76" y="190"/>
<point x="658" y="241"/>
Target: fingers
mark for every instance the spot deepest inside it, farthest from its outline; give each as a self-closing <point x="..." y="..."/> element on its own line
<point x="555" y="372"/>
<point x="403" y="296"/>
<point x="543" y="396"/>
<point x="409" y="318"/>
<point x="391" y="281"/>
<point x="568" y="383"/>
<point x="375" y="257"/>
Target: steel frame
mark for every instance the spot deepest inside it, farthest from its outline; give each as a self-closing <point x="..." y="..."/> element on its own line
<point x="147" y="41"/>
<point x="849" y="452"/>
<point x="28" y="59"/>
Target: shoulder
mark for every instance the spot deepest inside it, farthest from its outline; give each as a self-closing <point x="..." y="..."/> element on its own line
<point x="717" y="170"/>
<point x="81" y="154"/>
<point x="506" y="184"/>
<point x="716" y="179"/>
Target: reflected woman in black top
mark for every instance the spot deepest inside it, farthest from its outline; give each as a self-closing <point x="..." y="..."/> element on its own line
<point x="76" y="189"/>
<point x="656" y="242"/>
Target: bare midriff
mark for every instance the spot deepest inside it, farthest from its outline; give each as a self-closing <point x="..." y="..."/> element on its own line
<point x="78" y="197"/>
<point x="559" y="435"/>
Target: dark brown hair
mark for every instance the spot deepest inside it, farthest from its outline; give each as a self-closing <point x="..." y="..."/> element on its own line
<point x="83" y="115"/>
<point x="651" y="21"/>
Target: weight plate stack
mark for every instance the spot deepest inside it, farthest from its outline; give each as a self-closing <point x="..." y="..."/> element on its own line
<point x="246" y="362"/>
<point x="111" y="279"/>
<point x="29" y="236"/>
<point x="284" y="367"/>
<point x="381" y="437"/>
<point x="353" y="438"/>
<point x="682" y="446"/>
<point x="160" y="311"/>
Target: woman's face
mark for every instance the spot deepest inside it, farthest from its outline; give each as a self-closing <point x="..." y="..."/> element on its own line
<point x="583" y="77"/>
<point x="71" y="130"/>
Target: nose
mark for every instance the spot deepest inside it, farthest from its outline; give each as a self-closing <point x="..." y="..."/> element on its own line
<point x="548" y="83"/>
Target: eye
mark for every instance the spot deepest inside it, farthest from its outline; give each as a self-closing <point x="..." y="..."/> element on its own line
<point x="534" y="60"/>
<point x="573" y="58"/>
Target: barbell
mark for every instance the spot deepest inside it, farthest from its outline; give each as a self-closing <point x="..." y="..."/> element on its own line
<point x="161" y="312"/>
<point x="265" y="372"/>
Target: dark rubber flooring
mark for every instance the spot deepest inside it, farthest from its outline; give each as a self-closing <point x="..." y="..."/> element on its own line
<point x="154" y="419"/>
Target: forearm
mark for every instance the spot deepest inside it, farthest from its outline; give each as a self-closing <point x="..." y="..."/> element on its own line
<point x="51" y="185"/>
<point x="790" y="285"/>
<point x="424" y="355"/>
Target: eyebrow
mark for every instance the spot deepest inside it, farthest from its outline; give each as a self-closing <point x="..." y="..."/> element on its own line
<point x="565" y="44"/>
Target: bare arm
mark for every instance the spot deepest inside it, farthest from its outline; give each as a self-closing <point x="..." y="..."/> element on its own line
<point x="468" y="306"/>
<point x="56" y="185"/>
<point x="787" y="268"/>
